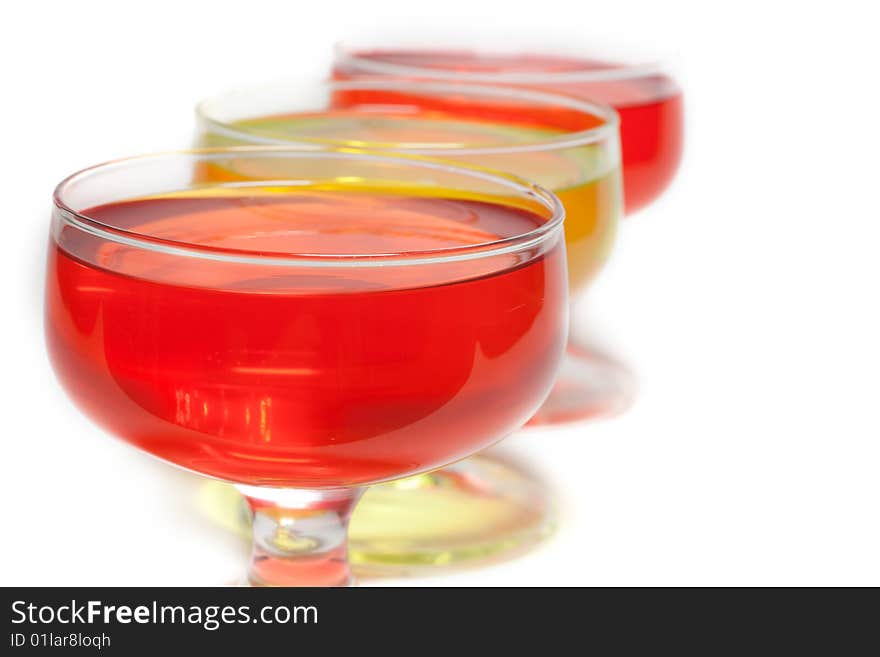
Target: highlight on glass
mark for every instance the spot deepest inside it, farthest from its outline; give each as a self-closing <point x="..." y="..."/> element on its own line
<point x="641" y="88"/>
<point x="565" y="144"/>
<point x="304" y="324"/>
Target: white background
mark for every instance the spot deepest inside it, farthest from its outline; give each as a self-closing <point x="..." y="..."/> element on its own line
<point x="746" y="299"/>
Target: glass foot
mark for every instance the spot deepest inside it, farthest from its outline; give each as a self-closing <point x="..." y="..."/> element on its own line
<point x="474" y="512"/>
<point x="589" y="385"/>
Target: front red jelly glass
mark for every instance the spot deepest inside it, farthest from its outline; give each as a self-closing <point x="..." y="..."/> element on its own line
<point x="180" y="322"/>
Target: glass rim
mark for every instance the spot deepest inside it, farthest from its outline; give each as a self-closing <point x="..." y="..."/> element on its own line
<point x="511" y="244"/>
<point x="345" y="54"/>
<point x="607" y="114"/>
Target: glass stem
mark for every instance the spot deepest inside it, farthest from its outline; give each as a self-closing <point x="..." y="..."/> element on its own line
<point x="300" y="537"/>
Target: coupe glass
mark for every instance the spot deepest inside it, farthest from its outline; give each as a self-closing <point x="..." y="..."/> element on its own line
<point x="481" y="507"/>
<point x="304" y="323"/>
<point x="640" y="88"/>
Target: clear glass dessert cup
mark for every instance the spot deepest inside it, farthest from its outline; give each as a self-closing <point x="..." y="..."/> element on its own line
<point x="303" y="323"/>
